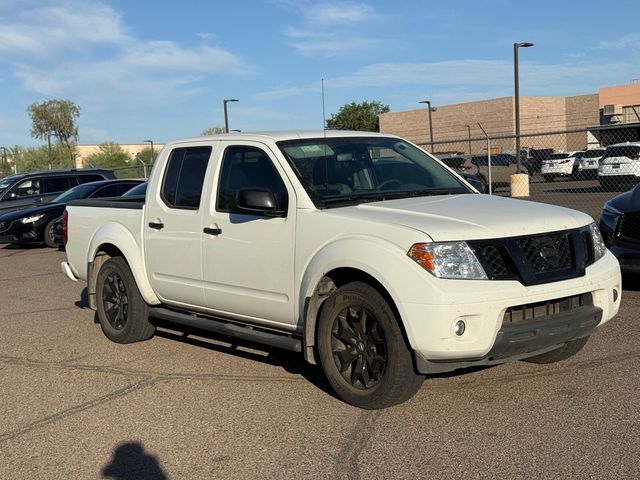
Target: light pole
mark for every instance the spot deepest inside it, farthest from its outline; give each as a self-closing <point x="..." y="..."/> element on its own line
<point x="469" y="128"/>
<point x="428" y="102"/>
<point x="4" y="160"/>
<point x="516" y="81"/>
<point x="226" y="117"/>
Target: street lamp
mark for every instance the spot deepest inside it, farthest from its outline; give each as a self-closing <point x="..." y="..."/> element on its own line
<point x="516" y="46"/>
<point x="226" y="117"/>
<point x="469" y="128"/>
<point x="428" y="102"/>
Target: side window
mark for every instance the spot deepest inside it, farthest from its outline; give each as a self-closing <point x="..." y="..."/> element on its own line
<point x="184" y="177"/>
<point x="26" y="188"/>
<point x="247" y="167"/>
<point x="55" y="184"/>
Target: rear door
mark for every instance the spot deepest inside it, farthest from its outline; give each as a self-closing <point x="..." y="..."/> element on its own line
<point x="173" y="227"/>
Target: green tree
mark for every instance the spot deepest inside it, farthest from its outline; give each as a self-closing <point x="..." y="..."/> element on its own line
<point x="55" y="118"/>
<point x="146" y="156"/>
<point x="109" y="155"/>
<point x="212" y="131"/>
<point x="358" y="116"/>
<point x="32" y="159"/>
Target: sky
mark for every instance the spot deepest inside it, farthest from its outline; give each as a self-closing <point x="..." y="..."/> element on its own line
<point x="160" y="70"/>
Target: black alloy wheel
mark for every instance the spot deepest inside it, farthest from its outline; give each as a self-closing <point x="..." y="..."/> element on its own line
<point x="123" y="313"/>
<point x="362" y="349"/>
<point x="115" y="301"/>
<point x="358" y="347"/>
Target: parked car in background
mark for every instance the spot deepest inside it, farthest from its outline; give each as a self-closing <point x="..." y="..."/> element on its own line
<point x="620" y="228"/>
<point x="620" y="166"/>
<point x="463" y="166"/>
<point x="27" y="189"/>
<point x="138" y="192"/>
<point x="503" y="166"/>
<point x="36" y="225"/>
<point x="559" y="165"/>
<point x="588" y="163"/>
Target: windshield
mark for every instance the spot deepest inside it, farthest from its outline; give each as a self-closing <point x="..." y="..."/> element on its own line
<point x="351" y="170"/>
<point x="558" y="156"/>
<point x="624" y="151"/>
<point x="591" y="154"/>
<point x="137" y="190"/>
<point x="75" y="193"/>
<point x="7" y="182"/>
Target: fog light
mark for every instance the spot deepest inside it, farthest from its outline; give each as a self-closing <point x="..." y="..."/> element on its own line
<point x="615" y="295"/>
<point x="459" y="327"/>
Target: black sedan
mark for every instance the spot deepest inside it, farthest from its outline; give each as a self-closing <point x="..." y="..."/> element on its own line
<point x="620" y="227"/>
<point x="35" y="225"/>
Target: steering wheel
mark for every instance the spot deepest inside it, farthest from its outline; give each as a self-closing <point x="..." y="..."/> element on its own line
<point x="390" y="181"/>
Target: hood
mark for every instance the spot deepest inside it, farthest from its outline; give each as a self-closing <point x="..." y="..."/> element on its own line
<point x="627" y="201"/>
<point x="467" y="217"/>
<point x="27" y="212"/>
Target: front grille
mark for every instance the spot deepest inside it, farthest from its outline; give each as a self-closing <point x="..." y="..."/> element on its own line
<point x="548" y="253"/>
<point x="530" y="311"/>
<point x="629" y="227"/>
<point x="536" y="259"/>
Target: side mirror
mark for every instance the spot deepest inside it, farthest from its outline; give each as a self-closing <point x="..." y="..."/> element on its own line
<point x="258" y="201"/>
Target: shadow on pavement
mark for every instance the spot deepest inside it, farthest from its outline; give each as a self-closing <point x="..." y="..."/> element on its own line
<point x="291" y="362"/>
<point x="130" y="461"/>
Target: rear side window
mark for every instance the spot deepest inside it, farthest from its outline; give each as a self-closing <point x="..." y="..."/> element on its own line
<point x="184" y="177"/>
<point x="55" y="184"/>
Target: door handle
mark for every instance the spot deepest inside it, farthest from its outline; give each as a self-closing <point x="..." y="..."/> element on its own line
<point x="212" y="231"/>
<point x="156" y="225"/>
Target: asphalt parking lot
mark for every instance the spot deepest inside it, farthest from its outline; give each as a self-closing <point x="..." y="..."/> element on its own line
<point x="75" y="405"/>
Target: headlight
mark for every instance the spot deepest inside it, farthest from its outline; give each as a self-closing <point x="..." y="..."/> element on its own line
<point x="448" y="260"/>
<point x="599" y="247"/>
<point x="32" y="218"/>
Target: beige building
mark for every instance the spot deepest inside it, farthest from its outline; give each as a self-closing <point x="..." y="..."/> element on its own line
<point x="611" y="105"/>
<point x="83" y="151"/>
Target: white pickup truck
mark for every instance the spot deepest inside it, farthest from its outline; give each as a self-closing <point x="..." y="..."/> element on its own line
<point x="359" y="250"/>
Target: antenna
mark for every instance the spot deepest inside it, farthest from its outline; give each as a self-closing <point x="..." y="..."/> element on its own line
<point x="324" y="118"/>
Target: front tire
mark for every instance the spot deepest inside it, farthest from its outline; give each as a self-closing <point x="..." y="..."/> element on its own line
<point x="123" y="313"/>
<point x="363" y="351"/>
<point x="567" y="350"/>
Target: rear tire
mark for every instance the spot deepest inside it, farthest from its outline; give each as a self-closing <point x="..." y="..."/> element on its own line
<point x="363" y="351"/>
<point x="123" y="313"/>
<point x="569" y="349"/>
<point x="49" y="234"/>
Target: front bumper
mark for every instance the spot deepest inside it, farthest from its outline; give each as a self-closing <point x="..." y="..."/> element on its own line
<point x="525" y="339"/>
<point x="482" y="305"/>
<point x="18" y="232"/>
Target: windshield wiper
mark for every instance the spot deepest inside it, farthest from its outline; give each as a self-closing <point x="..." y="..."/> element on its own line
<point x="391" y="195"/>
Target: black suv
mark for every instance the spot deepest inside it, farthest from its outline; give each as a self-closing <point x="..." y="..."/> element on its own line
<point x="27" y="189"/>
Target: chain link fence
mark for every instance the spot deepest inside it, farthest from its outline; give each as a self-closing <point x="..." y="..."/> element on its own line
<point x="579" y="169"/>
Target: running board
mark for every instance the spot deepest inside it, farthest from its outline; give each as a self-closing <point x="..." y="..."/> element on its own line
<point x="216" y="325"/>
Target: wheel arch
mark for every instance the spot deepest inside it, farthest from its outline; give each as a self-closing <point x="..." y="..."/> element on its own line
<point x="357" y="261"/>
<point x="114" y="240"/>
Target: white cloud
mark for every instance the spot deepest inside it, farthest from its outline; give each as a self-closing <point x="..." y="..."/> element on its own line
<point x="323" y="31"/>
<point x="81" y="49"/>
<point x="631" y="40"/>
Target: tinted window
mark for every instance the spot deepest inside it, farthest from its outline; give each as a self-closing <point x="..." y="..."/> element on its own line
<point x="137" y="190"/>
<point x="55" y="184"/>
<point x="246" y="167"/>
<point x="184" y="177"/>
<point x="591" y="154"/>
<point x="624" y="151"/>
<point x="27" y="188"/>
<point x="106" y="191"/>
<point x="90" y="178"/>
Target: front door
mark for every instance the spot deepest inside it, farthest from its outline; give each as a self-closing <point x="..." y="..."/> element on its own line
<point x="248" y="258"/>
<point x="173" y="228"/>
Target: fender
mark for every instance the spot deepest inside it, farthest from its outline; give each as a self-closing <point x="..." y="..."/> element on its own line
<point x="375" y="256"/>
<point x="116" y="234"/>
